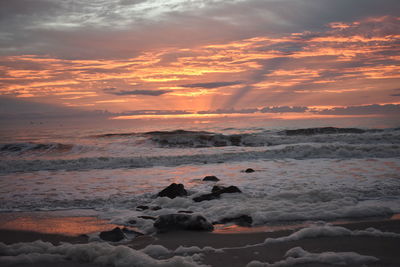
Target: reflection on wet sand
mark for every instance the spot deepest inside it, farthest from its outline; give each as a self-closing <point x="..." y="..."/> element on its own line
<point x="71" y="226"/>
<point x="236" y="229"/>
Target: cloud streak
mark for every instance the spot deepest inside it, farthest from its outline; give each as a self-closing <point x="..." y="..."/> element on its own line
<point x="211" y="85"/>
<point x="114" y="91"/>
<point x="363" y="110"/>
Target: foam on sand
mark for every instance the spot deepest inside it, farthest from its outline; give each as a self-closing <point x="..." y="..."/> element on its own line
<point x="298" y="255"/>
<point x="98" y="253"/>
<point x="328" y="230"/>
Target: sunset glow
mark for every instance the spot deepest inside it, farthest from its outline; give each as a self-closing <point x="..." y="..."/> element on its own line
<point x="340" y="63"/>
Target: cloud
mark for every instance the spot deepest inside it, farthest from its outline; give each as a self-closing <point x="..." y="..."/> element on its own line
<point x="14" y="109"/>
<point x="211" y="85"/>
<point x="279" y="109"/>
<point x="283" y="109"/>
<point x="396" y="90"/>
<point x="363" y="110"/>
<point x="203" y="54"/>
<point x="72" y="28"/>
<point x="152" y="112"/>
<point x="229" y="111"/>
<point x="114" y="91"/>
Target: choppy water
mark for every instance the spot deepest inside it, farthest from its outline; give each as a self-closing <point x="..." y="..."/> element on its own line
<point x="309" y="174"/>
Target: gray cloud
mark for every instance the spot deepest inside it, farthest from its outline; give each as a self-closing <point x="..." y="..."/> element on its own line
<point x="363" y="110"/>
<point x="211" y="85"/>
<point x="151" y="112"/>
<point x="280" y="109"/>
<point x="13" y="109"/>
<point x="229" y="111"/>
<point x="396" y="90"/>
<point x="71" y="28"/>
<point x="114" y="91"/>
<point x="283" y="109"/>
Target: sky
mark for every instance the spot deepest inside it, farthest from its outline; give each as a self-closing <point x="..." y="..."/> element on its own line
<point x="182" y="58"/>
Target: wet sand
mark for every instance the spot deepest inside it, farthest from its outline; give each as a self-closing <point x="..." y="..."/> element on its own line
<point x="384" y="248"/>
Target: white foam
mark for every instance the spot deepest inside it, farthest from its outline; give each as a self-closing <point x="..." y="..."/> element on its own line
<point x="97" y="253"/>
<point x="279" y="190"/>
<point x="298" y="255"/>
<point x="328" y="230"/>
<point x="297" y="151"/>
<point x="157" y="251"/>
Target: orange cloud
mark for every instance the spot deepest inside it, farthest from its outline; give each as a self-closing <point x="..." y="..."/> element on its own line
<point x="346" y="56"/>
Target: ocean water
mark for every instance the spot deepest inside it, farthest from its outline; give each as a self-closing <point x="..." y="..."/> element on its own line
<point x="304" y="175"/>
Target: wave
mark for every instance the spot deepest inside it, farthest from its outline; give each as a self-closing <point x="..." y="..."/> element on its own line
<point x="328" y="130"/>
<point x="199" y="139"/>
<point x="34" y="147"/>
<point x="303" y="151"/>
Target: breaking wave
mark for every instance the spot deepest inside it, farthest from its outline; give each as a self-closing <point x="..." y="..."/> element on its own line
<point x="198" y="139"/>
<point x="34" y="147"/>
<point x="301" y="151"/>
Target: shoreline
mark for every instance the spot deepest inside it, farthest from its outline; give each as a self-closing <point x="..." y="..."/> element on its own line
<point x="241" y="247"/>
<point x="86" y="221"/>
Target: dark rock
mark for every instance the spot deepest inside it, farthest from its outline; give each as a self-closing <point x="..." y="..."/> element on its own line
<point x="217" y="188"/>
<point x="185" y="211"/>
<point x="211" y="178"/>
<point x="205" y="197"/>
<point x="216" y="192"/>
<point x="173" y="190"/>
<point x="249" y="170"/>
<point x="132" y="221"/>
<point x="243" y="220"/>
<point x="171" y="222"/>
<point x="155" y="208"/>
<point x="222" y="190"/>
<point x="148" y="217"/>
<point x="114" y="235"/>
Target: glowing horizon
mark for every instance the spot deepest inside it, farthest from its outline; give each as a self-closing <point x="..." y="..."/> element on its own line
<point x="347" y="62"/>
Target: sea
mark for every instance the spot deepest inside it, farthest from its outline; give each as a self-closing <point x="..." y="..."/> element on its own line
<point x="301" y="174"/>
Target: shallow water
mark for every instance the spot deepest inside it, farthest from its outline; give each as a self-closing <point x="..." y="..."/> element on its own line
<point x="299" y="177"/>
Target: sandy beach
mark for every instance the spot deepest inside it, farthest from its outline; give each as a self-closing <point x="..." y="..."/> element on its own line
<point x="238" y="249"/>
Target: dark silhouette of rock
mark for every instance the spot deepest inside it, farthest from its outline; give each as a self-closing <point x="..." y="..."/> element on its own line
<point x="207" y="197"/>
<point x="242" y="220"/>
<point x="216" y="192"/>
<point x="221" y="189"/>
<point x="132" y="221"/>
<point x="211" y="178"/>
<point x="171" y="222"/>
<point x="173" y="190"/>
<point x="217" y="188"/>
<point x="114" y="235"/>
<point x="147" y="217"/>
<point x="249" y="170"/>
